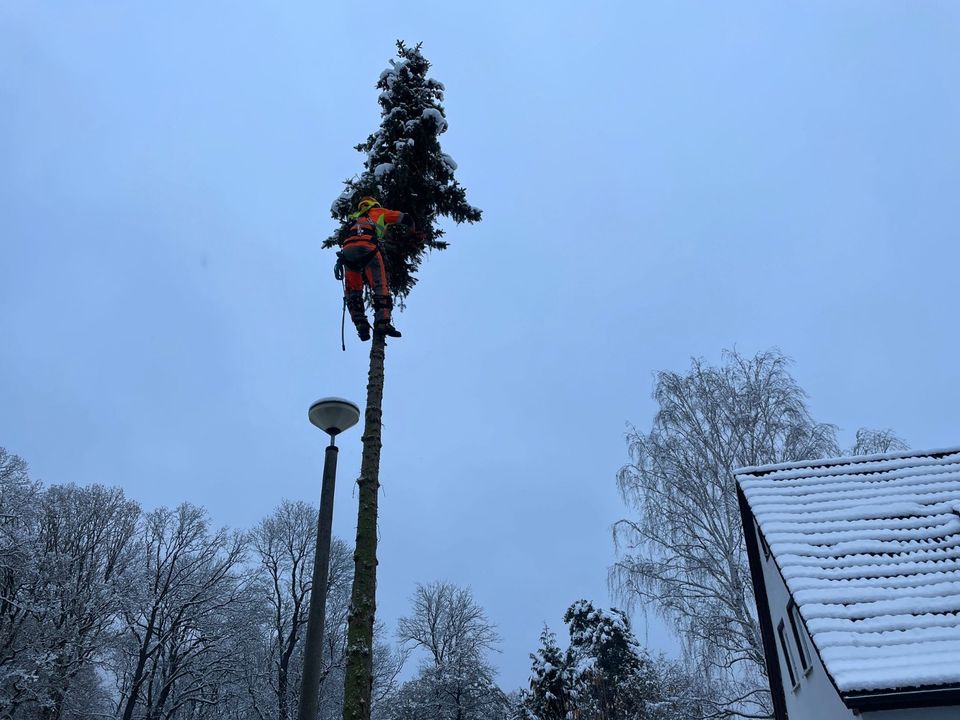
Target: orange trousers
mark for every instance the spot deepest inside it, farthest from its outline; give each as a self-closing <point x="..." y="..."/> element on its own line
<point x="363" y="263"/>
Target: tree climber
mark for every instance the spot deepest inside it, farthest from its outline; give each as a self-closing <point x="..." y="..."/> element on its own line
<point x="360" y="255"/>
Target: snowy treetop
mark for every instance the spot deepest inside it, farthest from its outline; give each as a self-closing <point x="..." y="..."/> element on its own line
<point x="405" y="168"/>
<point x="870" y="550"/>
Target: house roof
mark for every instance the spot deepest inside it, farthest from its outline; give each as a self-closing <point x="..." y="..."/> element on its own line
<point x="870" y="550"/>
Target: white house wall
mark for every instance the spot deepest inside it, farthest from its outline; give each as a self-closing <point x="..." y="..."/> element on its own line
<point x="815" y="698"/>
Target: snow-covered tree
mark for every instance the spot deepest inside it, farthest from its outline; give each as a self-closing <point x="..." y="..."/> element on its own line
<point x="613" y="678"/>
<point x="406" y="170"/>
<point x="283" y="545"/>
<point x="467" y="693"/>
<point x="19" y="556"/>
<point x="870" y="442"/>
<point x="683" y="552"/>
<point x="67" y="564"/>
<point x="181" y="651"/>
<point x="603" y="674"/>
<point x="106" y="612"/>
<point x="455" y="680"/>
<point x="86" y="575"/>
<point x="552" y="693"/>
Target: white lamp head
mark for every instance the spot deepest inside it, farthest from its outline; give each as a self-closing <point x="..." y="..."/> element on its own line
<point x="334" y="415"/>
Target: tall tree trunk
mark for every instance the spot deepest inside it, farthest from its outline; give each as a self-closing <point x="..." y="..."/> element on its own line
<point x="358" y="676"/>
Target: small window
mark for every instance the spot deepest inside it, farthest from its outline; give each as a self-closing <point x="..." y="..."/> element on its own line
<point x="787" y="655"/>
<point x="796" y="627"/>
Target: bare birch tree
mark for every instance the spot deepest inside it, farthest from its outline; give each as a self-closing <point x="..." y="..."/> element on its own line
<point x="872" y="442"/>
<point x="682" y="553"/>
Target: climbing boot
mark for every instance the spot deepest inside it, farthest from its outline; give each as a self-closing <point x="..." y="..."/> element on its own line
<point x="383" y="327"/>
<point x="364" y="331"/>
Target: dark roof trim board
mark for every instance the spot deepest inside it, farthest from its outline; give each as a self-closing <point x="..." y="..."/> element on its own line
<point x="907" y="698"/>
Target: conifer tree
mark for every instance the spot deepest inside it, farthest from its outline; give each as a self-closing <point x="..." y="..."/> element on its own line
<point x="551" y="695"/>
<point x="406" y="170"/>
<point x="614" y="677"/>
<point x="603" y="674"/>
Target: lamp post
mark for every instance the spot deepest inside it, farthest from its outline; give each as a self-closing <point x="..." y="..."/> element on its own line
<point x="333" y="416"/>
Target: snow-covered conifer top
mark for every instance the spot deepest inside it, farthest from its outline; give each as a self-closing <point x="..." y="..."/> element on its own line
<point x="406" y="169"/>
<point x="870" y="550"/>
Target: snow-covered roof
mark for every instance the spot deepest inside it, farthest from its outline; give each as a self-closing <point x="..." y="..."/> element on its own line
<point x="870" y="550"/>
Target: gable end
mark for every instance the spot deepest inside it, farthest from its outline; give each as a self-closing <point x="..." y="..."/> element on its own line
<point x="763" y="609"/>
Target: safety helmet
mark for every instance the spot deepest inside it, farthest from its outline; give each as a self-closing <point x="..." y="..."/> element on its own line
<point x="366" y="203"/>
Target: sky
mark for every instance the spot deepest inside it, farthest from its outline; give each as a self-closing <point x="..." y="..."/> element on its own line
<point x="659" y="181"/>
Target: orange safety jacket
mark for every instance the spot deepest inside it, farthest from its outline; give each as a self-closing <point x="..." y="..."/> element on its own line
<point x="370" y="227"/>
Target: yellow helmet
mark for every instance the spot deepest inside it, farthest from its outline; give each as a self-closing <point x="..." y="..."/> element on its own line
<point x="366" y="203"/>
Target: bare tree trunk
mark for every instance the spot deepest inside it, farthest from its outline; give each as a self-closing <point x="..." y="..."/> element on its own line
<point x="283" y="712"/>
<point x="358" y="677"/>
<point x="138" y="674"/>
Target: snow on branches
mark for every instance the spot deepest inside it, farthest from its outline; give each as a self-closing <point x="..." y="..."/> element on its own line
<point x="406" y="170"/>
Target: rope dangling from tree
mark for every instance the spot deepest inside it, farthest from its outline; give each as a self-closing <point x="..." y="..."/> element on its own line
<point x="343" y="319"/>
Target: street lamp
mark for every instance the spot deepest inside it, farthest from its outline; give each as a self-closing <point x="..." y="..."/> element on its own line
<point x="333" y="416"/>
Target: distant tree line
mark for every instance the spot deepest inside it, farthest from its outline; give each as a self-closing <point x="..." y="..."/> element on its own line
<point x="109" y="611"/>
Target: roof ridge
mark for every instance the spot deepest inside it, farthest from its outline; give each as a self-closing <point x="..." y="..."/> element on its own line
<point x="761" y="470"/>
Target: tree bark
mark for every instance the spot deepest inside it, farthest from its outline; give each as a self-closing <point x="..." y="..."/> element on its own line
<point x="358" y="677"/>
<point x="138" y="674"/>
<point x="283" y="709"/>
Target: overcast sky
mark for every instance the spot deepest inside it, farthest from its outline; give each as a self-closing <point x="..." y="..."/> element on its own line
<point x="658" y="180"/>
